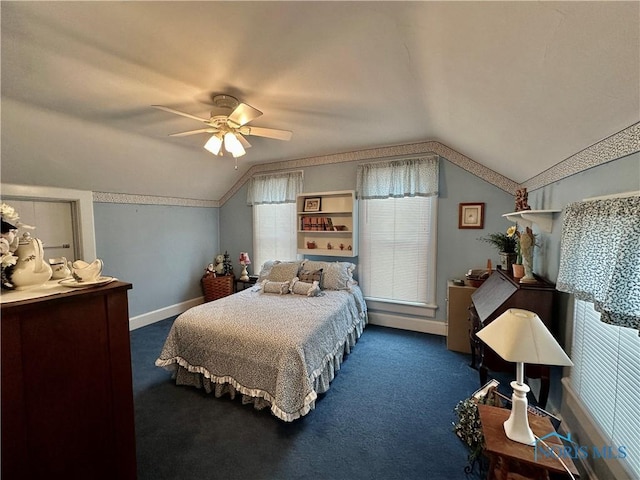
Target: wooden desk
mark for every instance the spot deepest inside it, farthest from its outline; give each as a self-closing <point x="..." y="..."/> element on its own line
<point x="496" y="295"/>
<point x="512" y="460"/>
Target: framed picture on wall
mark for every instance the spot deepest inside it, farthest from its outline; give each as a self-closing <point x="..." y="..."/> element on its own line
<point x="312" y="204"/>
<point x="471" y="215"/>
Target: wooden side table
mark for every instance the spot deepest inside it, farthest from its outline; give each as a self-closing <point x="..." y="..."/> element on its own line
<point x="242" y="284"/>
<point x="509" y="460"/>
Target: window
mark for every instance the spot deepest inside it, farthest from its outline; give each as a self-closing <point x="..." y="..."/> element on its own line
<point x="606" y="375"/>
<point x="397" y="249"/>
<point x="274" y="232"/>
<point x="273" y="198"/>
<point x="398" y="205"/>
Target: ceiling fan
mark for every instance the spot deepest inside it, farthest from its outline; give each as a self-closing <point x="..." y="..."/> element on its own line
<point x="229" y="129"/>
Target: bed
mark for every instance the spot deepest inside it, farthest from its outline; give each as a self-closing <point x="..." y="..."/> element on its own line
<point x="276" y="348"/>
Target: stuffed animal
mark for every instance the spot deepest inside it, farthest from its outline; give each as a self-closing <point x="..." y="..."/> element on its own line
<point x="219" y="265"/>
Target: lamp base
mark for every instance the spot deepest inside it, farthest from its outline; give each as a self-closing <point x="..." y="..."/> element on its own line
<point x="244" y="275"/>
<point x="517" y="425"/>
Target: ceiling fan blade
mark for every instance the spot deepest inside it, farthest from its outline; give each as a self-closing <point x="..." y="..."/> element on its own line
<point x="267" y="132"/>
<point x="193" y="132"/>
<point x="245" y="143"/>
<point x="243" y="114"/>
<point x="178" y="112"/>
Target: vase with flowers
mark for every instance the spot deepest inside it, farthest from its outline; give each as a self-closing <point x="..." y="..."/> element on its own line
<point x="525" y="242"/>
<point x="8" y="243"/>
<point x="506" y="246"/>
<point x="518" y="268"/>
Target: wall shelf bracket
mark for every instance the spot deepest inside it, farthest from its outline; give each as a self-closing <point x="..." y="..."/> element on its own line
<point x="542" y="218"/>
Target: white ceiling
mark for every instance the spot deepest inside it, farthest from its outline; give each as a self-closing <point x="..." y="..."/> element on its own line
<point x="516" y="86"/>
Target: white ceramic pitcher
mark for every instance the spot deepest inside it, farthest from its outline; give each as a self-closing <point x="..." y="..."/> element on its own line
<point x="31" y="270"/>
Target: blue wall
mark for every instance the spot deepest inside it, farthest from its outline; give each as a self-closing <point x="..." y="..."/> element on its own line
<point x="161" y="250"/>
<point x="458" y="250"/>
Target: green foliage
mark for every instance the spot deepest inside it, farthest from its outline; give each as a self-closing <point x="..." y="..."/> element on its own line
<point x="501" y="241"/>
<point x="468" y="427"/>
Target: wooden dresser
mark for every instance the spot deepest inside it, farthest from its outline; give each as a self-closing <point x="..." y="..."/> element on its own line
<point x="67" y="395"/>
<point x="496" y="295"/>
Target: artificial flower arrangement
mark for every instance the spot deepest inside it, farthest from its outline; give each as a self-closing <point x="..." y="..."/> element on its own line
<point x="8" y="243"/>
<point x="512" y="232"/>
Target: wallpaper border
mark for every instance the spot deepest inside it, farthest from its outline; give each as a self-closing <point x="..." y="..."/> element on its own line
<point x="618" y="145"/>
<point x="381" y="153"/>
<point x="106" y="197"/>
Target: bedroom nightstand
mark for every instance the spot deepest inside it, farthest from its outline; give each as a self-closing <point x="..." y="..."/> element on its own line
<point x="242" y="284"/>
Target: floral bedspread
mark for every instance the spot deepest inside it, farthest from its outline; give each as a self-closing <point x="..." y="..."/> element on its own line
<point x="276" y="350"/>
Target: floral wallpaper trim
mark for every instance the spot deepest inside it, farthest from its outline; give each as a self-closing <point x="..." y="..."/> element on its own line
<point x="105" y="197"/>
<point x="618" y="145"/>
<point x="381" y="153"/>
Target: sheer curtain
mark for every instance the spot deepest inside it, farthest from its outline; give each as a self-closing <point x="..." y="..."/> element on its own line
<point x="600" y="257"/>
<point x="273" y="198"/>
<point x="398" y="205"/>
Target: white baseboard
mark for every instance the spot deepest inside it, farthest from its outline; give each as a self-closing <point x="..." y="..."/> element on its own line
<point x="162" y="313"/>
<point x="414" y="324"/>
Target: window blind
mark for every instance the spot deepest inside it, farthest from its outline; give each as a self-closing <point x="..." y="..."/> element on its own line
<point x="274" y="233"/>
<point x="273" y="198"/>
<point x="397" y="249"/>
<point x="606" y="375"/>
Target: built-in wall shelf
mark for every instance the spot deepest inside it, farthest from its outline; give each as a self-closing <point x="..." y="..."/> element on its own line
<point x="328" y="223"/>
<point x="542" y="218"/>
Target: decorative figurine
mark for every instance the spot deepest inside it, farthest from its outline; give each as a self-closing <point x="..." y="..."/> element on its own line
<point x="521" y="200"/>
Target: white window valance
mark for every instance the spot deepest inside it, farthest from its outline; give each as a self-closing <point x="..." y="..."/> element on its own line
<point x="274" y="188"/>
<point x="414" y="177"/>
<point x="600" y="257"/>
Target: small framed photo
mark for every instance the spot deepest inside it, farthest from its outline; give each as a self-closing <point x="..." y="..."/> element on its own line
<point x="312" y="204"/>
<point x="471" y="215"/>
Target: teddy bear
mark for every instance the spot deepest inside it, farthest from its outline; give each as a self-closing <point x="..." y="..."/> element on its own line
<point x="219" y="265"/>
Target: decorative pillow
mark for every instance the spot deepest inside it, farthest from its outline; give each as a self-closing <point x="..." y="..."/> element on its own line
<point x="275" y="287"/>
<point x="311" y="276"/>
<point x="305" y="288"/>
<point x="283" y="271"/>
<point x="335" y="275"/>
<point x="266" y="270"/>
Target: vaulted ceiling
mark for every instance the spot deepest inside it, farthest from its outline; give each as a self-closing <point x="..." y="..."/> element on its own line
<point x="515" y="86"/>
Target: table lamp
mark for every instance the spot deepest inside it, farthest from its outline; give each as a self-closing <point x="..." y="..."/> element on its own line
<point x="244" y="261"/>
<point x="520" y="336"/>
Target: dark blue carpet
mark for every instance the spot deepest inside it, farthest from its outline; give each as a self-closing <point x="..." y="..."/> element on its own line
<point x="388" y="415"/>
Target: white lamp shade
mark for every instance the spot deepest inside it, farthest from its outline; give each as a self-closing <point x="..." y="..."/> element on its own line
<point x="214" y="144"/>
<point x="233" y="145"/>
<point x="520" y="336"/>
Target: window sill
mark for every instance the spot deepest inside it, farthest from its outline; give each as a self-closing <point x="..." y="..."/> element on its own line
<point x="413" y="309"/>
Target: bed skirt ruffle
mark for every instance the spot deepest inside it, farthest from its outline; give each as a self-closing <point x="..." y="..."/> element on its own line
<point x="200" y="377"/>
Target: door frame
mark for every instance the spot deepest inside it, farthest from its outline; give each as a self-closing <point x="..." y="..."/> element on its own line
<point x="82" y="201"/>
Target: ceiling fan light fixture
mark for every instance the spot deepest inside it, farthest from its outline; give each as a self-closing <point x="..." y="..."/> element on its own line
<point x="214" y="144"/>
<point x="233" y="145"/>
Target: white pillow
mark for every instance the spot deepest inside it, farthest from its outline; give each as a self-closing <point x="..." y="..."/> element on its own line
<point x="266" y="269"/>
<point x="275" y="287"/>
<point x="305" y="288"/>
<point x="283" y="271"/>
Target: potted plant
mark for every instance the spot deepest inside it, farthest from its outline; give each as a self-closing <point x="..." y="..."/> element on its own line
<point x="518" y="267"/>
<point x="506" y="246"/>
